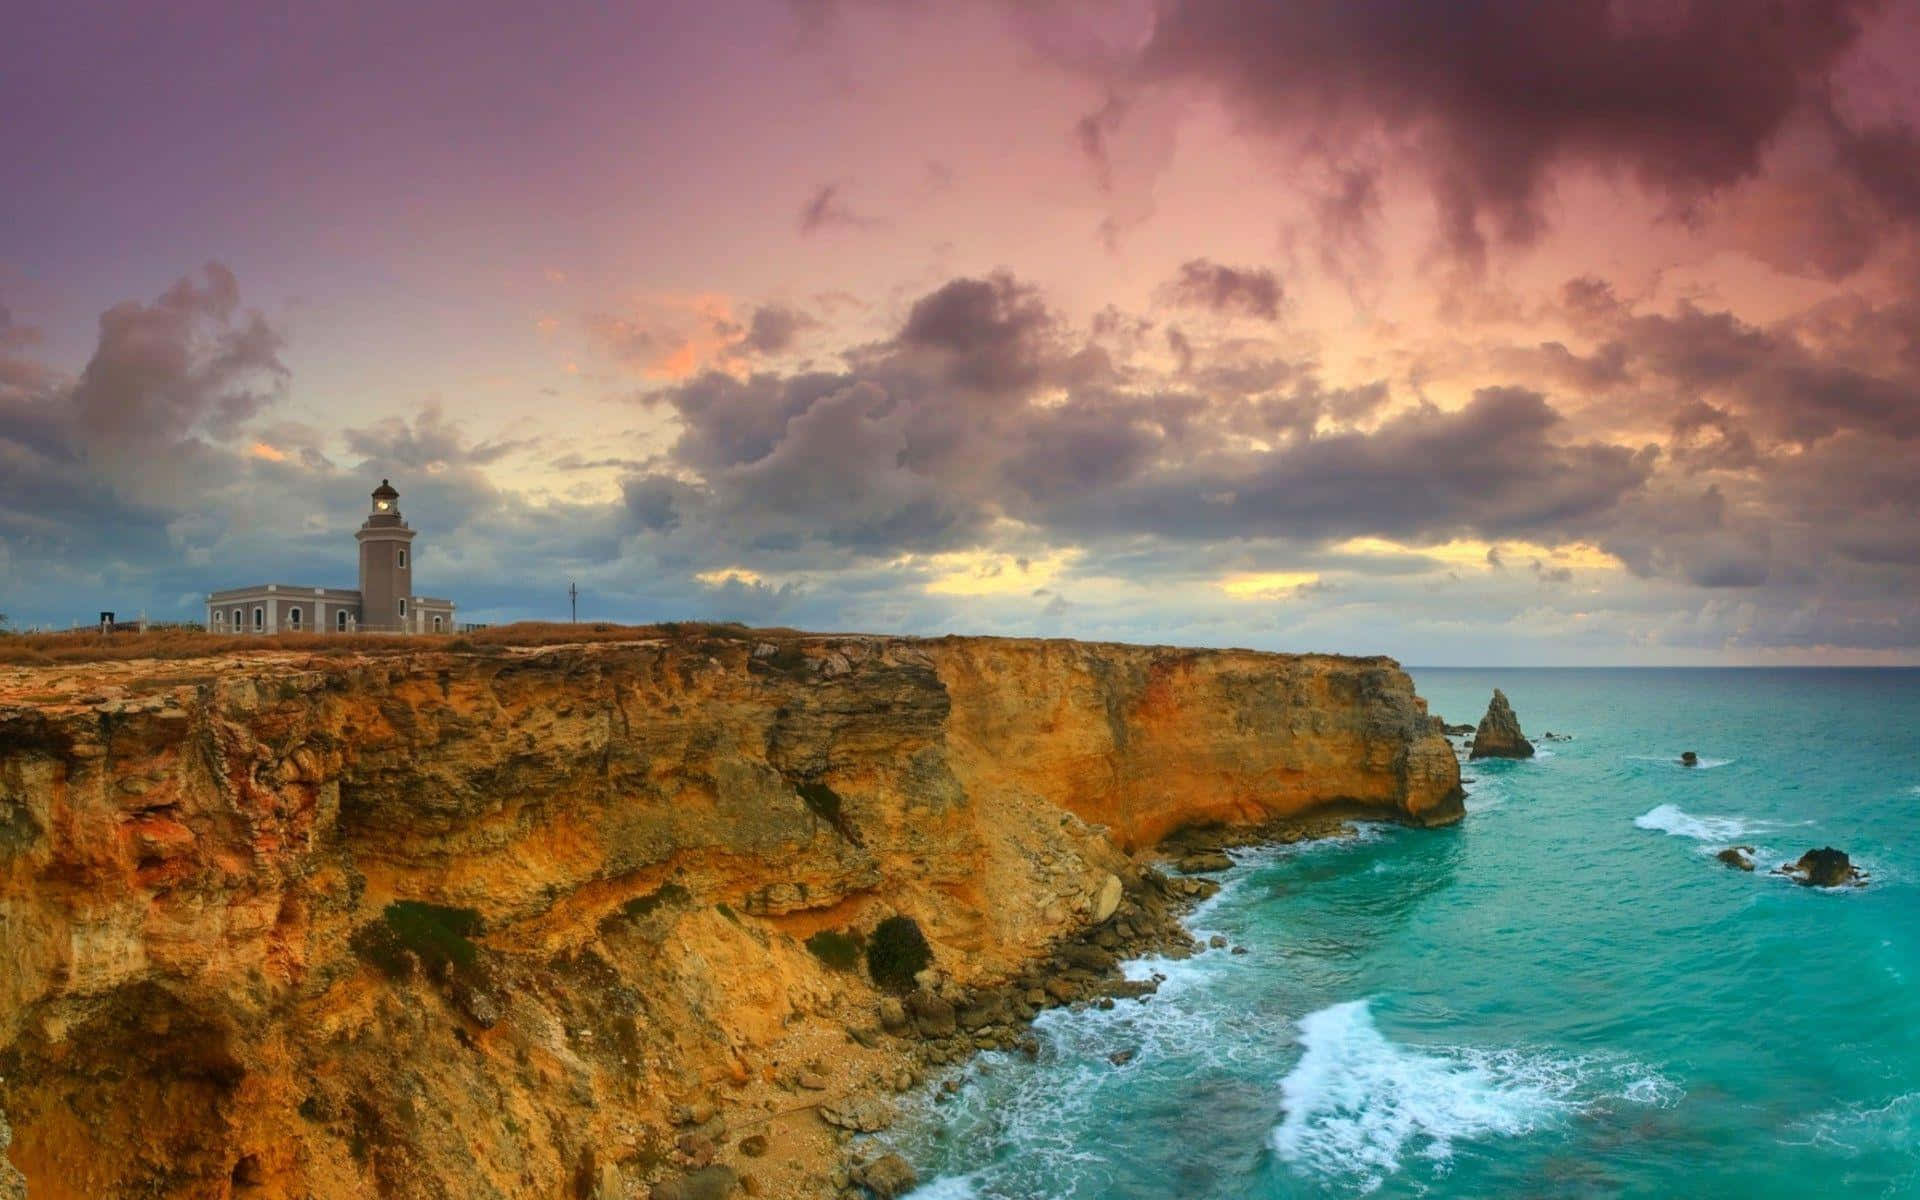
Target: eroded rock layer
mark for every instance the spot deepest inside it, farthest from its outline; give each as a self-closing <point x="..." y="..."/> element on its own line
<point x="537" y="922"/>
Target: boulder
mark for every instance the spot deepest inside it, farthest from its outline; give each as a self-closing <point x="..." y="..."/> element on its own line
<point x="1499" y="733"/>
<point x="1689" y="759"/>
<point x="1107" y="900"/>
<point x="1825" y="867"/>
<point x="887" y="1177"/>
<point x="708" y="1183"/>
<point x="932" y="1016"/>
<point x="1740" y="858"/>
<point x="753" y="1145"/>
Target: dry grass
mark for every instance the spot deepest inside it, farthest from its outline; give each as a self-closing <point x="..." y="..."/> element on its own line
<point x="51" y="649"/>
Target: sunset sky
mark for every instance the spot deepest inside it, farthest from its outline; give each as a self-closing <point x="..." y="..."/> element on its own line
<point x="1498" y="331"/>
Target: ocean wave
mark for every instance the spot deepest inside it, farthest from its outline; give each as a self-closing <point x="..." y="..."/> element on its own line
<point x="1857" y="1128"/>
<point x="947" y="1187"/>
<point x="1672" y="819"/>
<point x="1357" y="1104"/>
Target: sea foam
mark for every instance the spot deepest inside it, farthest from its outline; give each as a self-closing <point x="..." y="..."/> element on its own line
<point x="1671" y="818"/>
<point x="1356" y="1102"/>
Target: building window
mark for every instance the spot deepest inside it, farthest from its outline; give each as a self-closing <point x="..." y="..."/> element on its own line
<point x="259" y="619"/>
<point x="293" y="618"/>
<point x="403" y="558"/>
<point x="219" y="619"/>
<point x="340" y="620"/>
<point x="238" y="624"/>
<point x="403" y="608"/>
<point x="436" y="624"/>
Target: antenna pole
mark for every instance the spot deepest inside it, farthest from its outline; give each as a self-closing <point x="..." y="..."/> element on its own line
<point x="573" y="600"/>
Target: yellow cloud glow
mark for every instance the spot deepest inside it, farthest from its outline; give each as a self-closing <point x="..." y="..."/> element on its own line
<point x="1471" y="552"/>
<point x="1267" y="585"/>
<point x="986" y="573"/>
<point x="720" y="576"/>
<point x="270" y="453"/>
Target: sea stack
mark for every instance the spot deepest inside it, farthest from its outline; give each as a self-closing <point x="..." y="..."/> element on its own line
<point x="1825" y="867"/>
<point x="1499" y="734"/>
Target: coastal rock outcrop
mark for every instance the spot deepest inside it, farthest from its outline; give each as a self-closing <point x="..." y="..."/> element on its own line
<point x="506" y="922"/>
<point x="1740" y="858"/>
<point x="1825" y="867"/>
<point x="1498" y="735"/>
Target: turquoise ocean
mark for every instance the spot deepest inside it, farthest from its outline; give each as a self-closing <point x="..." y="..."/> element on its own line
<point x="1565" y="995"/>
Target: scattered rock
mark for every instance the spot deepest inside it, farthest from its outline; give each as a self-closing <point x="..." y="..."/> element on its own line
<point x="697" y="1148"/>
<point x="932" y="1016"/>
<point x="1740" y="858"/>
<point x="1455" y="730"/>
<point x="893" y="1015"/>
<point x="861" y="1114"/>
<point x="887" y="1177"/>
<point x="1218" y="941"/>
<point x="1239" y="950"/>
<point x="1825" y="867"/>
<point x="1120" y="1058"/>
<point x="1204" y="863"/>
<point x="1107" y="900"/>
<point x="707" y="1183"/>
<point x="1689" y="759"/>
<point x="1499" y="733"/>
<point x="753" y="1145"/>
<point x="812" y="1081"/>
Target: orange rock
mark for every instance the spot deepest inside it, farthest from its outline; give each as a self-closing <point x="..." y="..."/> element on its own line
<point x="194" y="887"/>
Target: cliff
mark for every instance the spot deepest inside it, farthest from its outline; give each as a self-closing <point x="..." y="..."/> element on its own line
<point x="503" y="922"/>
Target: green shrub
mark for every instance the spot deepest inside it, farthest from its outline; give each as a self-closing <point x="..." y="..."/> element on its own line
<point x="838" y="950"/>
<point x="436" y="936"/>
<point x="726" y="910"/>
<point x="896" y="952"/>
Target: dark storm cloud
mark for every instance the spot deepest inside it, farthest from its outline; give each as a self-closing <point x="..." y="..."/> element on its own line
<point x="990" y="333"/>
<point x="774" y="328"/>
<point x="981" y="409"/>
<point x="1492" y="469"/>
<point x="1490" y="98"/>
<point x="1204" y="284"/>
<point x="178" y="365"/>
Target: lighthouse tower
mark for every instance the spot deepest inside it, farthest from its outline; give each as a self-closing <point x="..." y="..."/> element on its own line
<point x="386" y="565"/>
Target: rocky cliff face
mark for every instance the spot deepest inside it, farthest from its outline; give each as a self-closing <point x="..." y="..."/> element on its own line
<point x="534" y="923"/>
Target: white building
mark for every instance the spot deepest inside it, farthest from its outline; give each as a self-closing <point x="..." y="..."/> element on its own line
<point x="384" y="602"/>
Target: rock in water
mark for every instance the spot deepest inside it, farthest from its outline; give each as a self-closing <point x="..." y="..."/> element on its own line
<point x="1740" y="858"/>
<point x="1689" y="759"/>
<point x="1825" y="867"/>
<point x="887" y="1177"/>
<point x="1499" y="734"/>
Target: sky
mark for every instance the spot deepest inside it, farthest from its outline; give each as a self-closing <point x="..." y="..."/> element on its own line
<point x="1578" y="332"/>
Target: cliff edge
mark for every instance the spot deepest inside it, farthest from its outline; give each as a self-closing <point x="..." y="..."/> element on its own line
<point x="560" y="921"/>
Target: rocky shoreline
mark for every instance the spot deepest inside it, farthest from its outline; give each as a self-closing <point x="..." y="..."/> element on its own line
<point x="941" y="1025"/>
